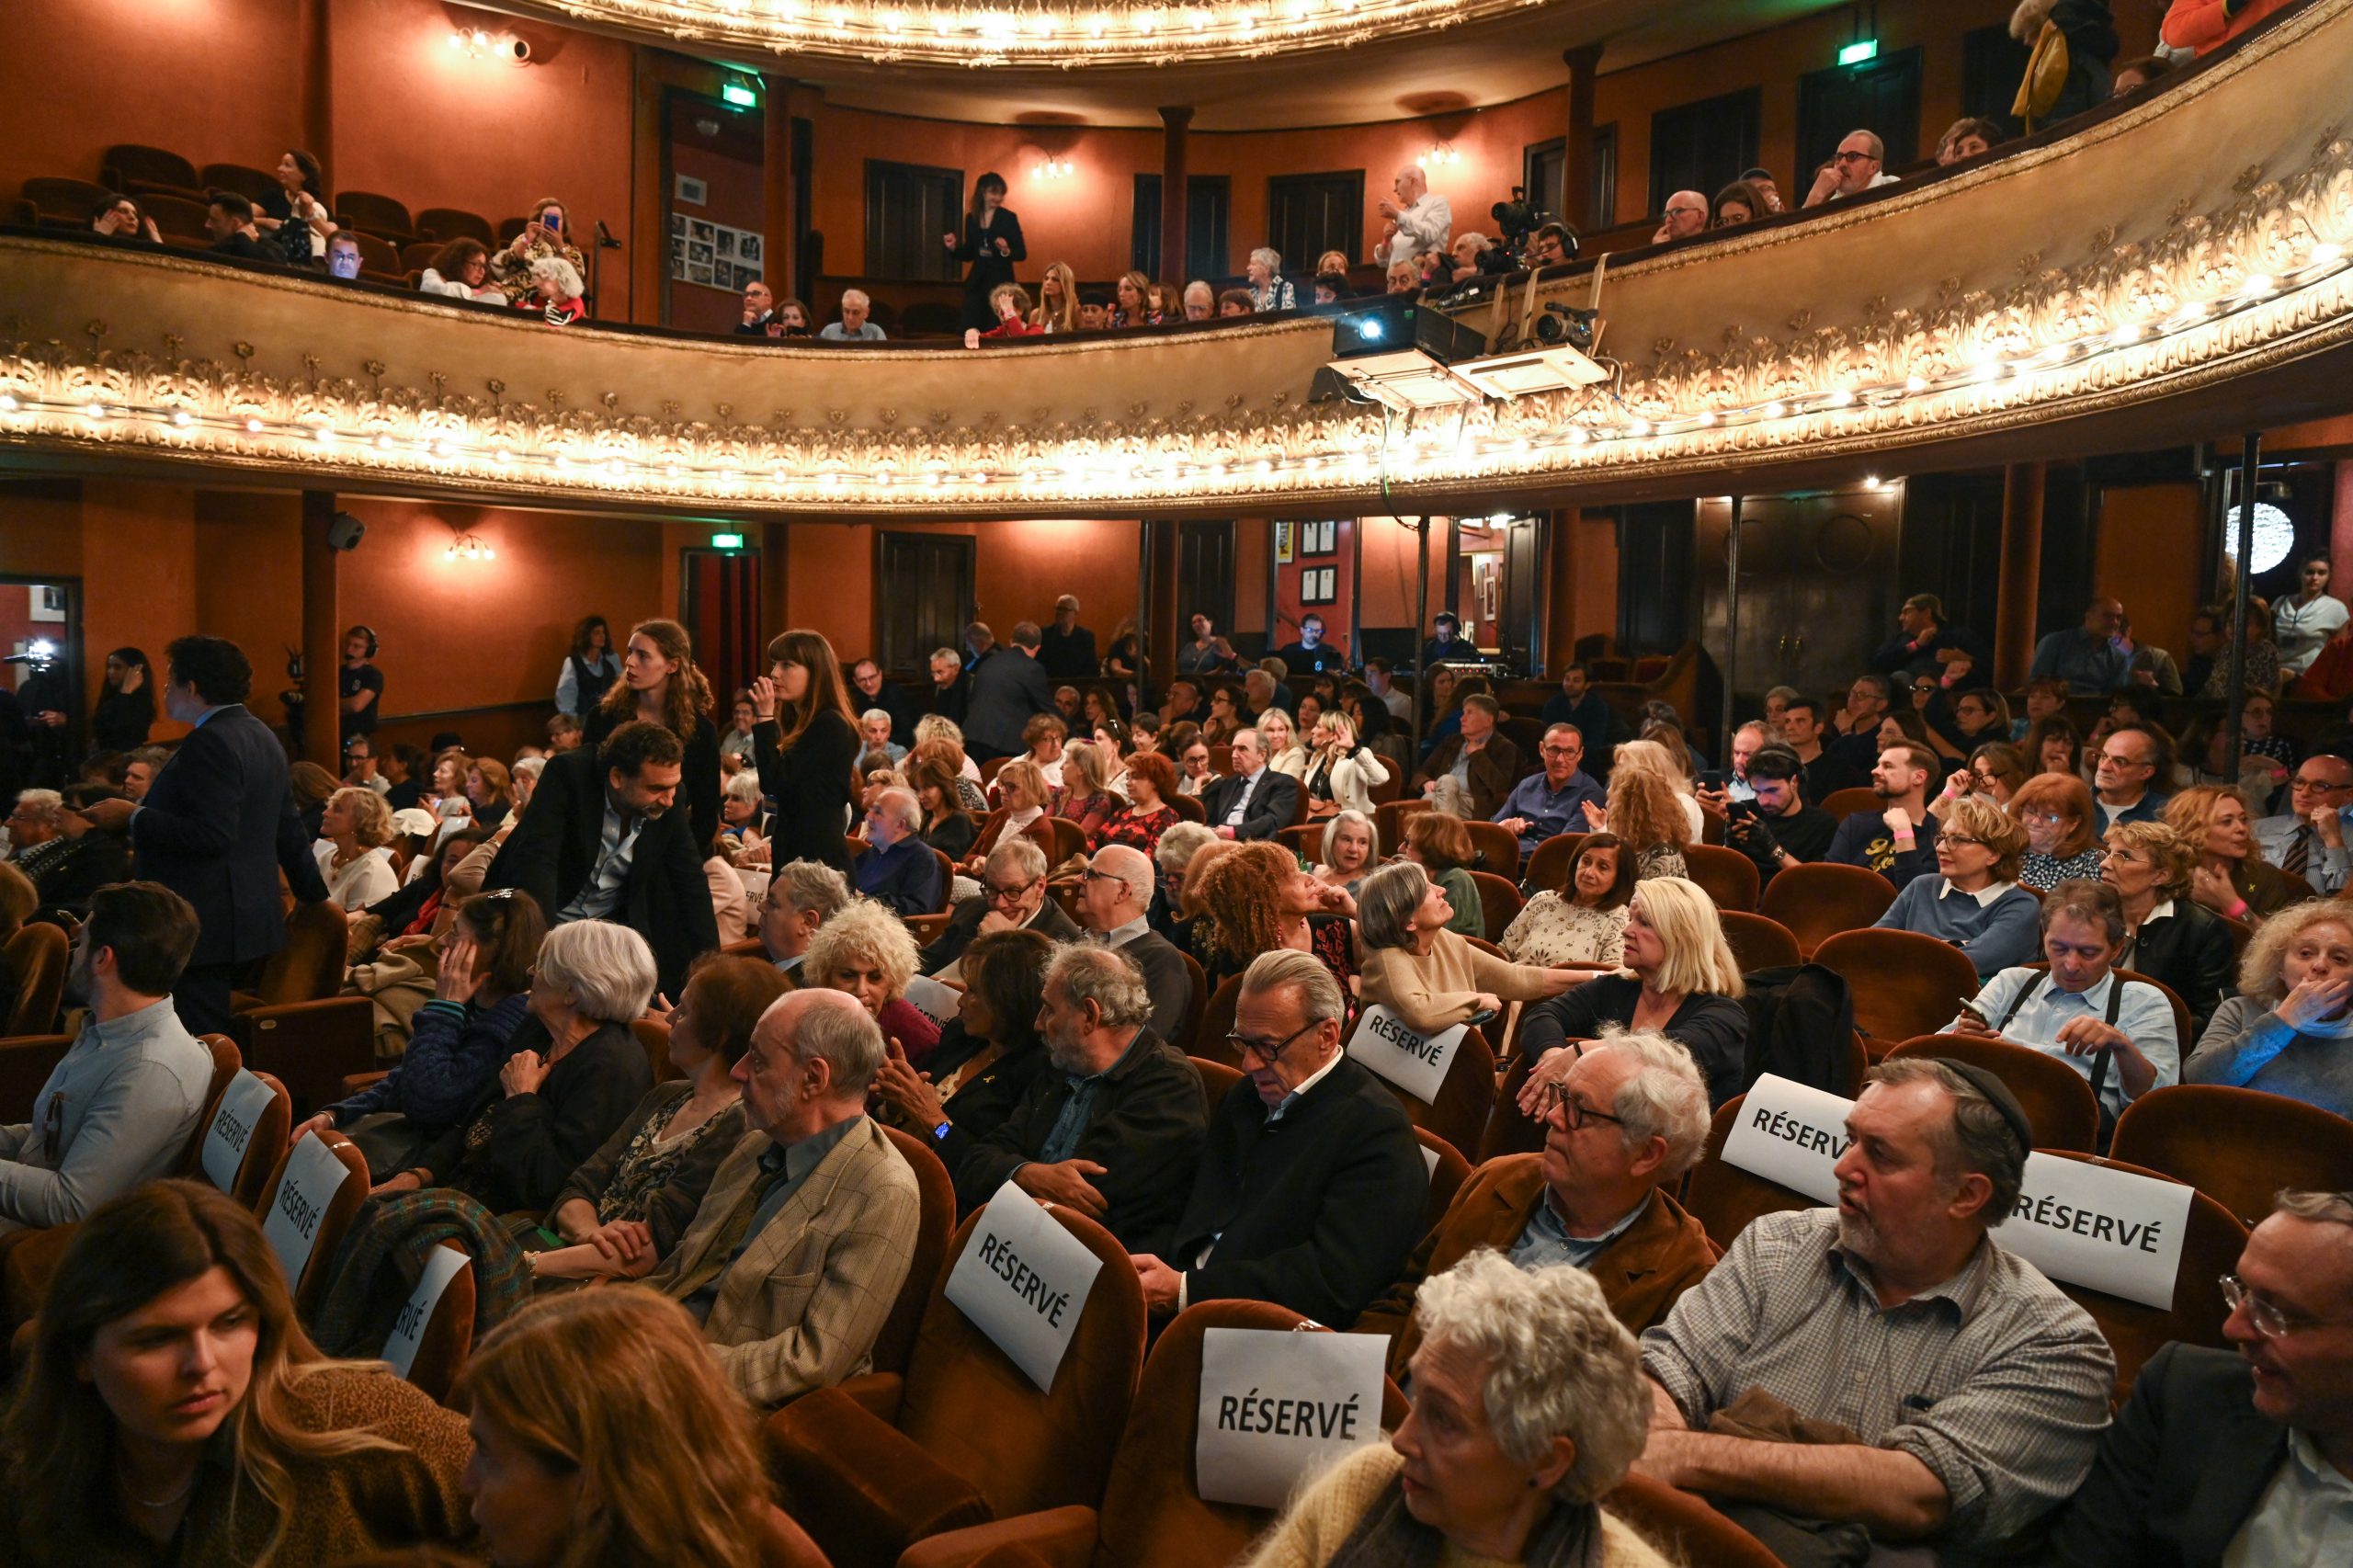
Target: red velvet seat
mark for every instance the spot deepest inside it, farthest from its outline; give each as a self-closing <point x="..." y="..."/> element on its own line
<point x="1217" y="1082"/>
<point x="37" y="957"/>
<point x="1903" y="983"/>
<point x="1722" y="1196"/>
<point x="1389" y="819"/>
<point x="1499" y="903"/>
<point x="1465" y="1096"/>
<point x="255" y="185"/>
<point x="1728" y="877"/>
<point x="142" y="171"/>
<point x="448" y="1337"/>
<point x="380" y="216"/>
<point x="177" y="218"/>
<point x="1498" y="848"/>
<point x="1446" y="1176"/>
<point x="1217" y="1022"/>
<point x="442" y="224"/>
<point x="1818" y="900"/>
<point x="2058" y="1103"/>
<point x="56" y="203"/>
<point x="1758" y="942"/>
<point x="1684" y="1527"/>
<point x="1547" y="868"/>
<point x="935" y="1223"/>
<point x="2240" y="1146"/>
<point x="294" y="1025"/>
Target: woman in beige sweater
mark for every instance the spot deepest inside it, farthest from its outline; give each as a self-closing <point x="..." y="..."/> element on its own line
<point x="1528" y="1405"/>
<point x="1427" y="974"/>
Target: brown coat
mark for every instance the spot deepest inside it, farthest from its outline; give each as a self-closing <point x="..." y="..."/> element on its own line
<point x="1661" y="1256"/>
<point x="1495" y="768"/>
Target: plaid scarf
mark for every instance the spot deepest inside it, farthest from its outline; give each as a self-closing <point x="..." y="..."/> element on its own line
<point x="383" y="1256"/>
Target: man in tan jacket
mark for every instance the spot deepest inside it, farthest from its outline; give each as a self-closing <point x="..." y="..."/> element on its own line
<point x="800" y="1248"/>
<point x="1627" y="1121"/>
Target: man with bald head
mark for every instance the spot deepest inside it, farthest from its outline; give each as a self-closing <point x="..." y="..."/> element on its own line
<point x="1113" y="895"/>
<point x="802" y="1241"/>
<point x="1853" y="170"/>
<point x="1417" y="220"/>
<point x="1687" y="214"/>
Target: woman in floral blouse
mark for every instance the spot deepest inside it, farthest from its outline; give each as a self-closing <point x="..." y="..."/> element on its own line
<point x="1583" y="927"/>
<point x="1152" y="779"/>
<point x="549" y="233"/>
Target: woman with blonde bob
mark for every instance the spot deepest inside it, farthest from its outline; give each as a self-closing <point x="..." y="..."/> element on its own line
<point x="1349" y="850"/>
<point x="2167" y="936"/>
<point x="1425" y="973"/>
<point x="1681" y="981"/>
<point x="1023" y="798"/>
<point x="605" y="1437"/>
<point x="2230" y="876"/>
<point x="2290" y="1031"/>
<point x="1975" y="904"/>
<point x="1530" y="1406"/>
<point x="353" y="831"/>
<point x="868" y="952"/>
<point x="175" y="1410"/>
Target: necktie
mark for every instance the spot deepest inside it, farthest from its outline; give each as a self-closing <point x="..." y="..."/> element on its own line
<point x="2299" y="853"/>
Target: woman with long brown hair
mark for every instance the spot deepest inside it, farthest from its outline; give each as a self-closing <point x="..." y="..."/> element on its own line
<point x="806" y="744"/>
<point x="606" y="1437"/>
<point x="661" y="684"/>
<point x="175" y="1410"/>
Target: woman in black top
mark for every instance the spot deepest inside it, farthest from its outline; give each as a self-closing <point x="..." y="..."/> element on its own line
<point x="127" y="711"/>
<point x="295" y="213"/>
<point x="992" y="243"/>
<point x="987" y="1056"/>
<point x="661" y="685"/>
<point x="806" y="745"/>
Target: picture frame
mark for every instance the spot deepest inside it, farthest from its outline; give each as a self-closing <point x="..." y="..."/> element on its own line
<point x="1285" y="534"/>
<point x="690" y="190"/>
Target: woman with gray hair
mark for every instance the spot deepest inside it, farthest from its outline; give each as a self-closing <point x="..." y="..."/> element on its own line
<point x="555" y="292"/>
<point x="1528" y="1405"/>
<point x="2291" y="1032"/>
<point x="1427" y="975"/>
<point x="868" y="952"/>
<point x="575" y="1071"/>
<point x="1269" y="289"/>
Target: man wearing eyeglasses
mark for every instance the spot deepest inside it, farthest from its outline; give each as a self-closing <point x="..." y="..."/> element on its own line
<point x="1114" y="895"/>
<point x="1619" y="1130"/>
<point x="2248" y="1458"/>
<point x="1013" y="898"/>
<point x="1312" y="1188"/>
<point x="2308" y="840"/>
<point x="1853" y="170"/>
<point x="1687" y="214"/>
<point x="1554" y="800"/>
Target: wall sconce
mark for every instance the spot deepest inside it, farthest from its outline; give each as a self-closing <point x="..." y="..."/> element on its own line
<point x="480" y="43"/>
<point x="1053" y="168"/>
<point x="469" y="547"/>
<point x="1438" y="155"/>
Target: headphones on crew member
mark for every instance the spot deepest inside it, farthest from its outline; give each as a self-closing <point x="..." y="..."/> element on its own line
<point x="367" y="631"/>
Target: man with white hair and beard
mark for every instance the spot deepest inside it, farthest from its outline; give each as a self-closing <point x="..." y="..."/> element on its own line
<point x="1883" y="1372"/>
<point x="117" y="1110"/>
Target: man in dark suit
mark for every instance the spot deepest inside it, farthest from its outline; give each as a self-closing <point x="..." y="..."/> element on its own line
<point x="2220" y="1457"/>
<point x="1012" y="896"/>
<point x="1112" y="1126"/>
<point x="217" y="826"/>
<point x="1113" y="900"/>
<point x="601" y="842"/>
<point x="1254" y="802"/>
<point x="1066" y="649"/>
<point x="1312" y="1188"/>
<point x="951" y="688"/>
<point x="1009" y="688"/>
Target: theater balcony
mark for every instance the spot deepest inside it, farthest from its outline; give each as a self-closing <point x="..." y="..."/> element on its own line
<point x="2170" y="268"/>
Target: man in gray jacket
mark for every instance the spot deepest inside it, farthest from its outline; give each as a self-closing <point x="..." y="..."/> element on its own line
<point x="121" y="1108"/>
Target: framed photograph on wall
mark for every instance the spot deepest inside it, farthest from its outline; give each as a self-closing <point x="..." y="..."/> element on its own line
<point x="1285" y="549"/>
<point x="1320" y="538"/>
<point x="1319" y="586"/>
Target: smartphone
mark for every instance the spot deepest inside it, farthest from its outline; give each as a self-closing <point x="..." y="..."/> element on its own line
<point x="1480" y="1018"/>
<point x="1715" y="779"/>
<point x="552" y="221"/>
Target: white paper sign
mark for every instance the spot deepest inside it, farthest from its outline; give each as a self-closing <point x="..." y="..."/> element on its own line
<point x="1429" y="1162"/>
<point x="932" y="999"/>
<point x="441" y="1266"/>
<point x="1276" y="1404"/>
<point x="1022" y="1281"/>
<point x="2083" y="1224"/>
<point x="231" y="1131"/>
<point x="312" y="1178"/>
<point x="1415" y="1063"/>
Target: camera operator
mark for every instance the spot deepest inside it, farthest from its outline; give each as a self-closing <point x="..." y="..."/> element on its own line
<point x="1776" y="828"/>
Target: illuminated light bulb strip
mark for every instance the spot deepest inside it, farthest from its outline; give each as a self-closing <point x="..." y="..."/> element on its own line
<point x="1429" y="455"/>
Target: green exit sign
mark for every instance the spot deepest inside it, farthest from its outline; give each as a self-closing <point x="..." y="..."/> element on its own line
<point x="727" y="542"/>
<point x="739" y="95"/>
<point x="1856" y="53"/>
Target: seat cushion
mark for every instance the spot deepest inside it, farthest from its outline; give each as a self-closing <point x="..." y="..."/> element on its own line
<point x="863" y="1489"/>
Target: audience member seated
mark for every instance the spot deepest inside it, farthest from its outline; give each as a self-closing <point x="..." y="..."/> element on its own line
<point x="1620" y="1128"/>
<point x="1431" y="978"/>
<point x="1010" y="305"/>
<point x="945" y="826"/>
<point x="1680" y="979"/>
<point x="603" y="842"/>
<point x="1023" y="796"/>
<point x="1737" y="203"/>
<point x="1774" y="827"/>
<point x="1312" y="1184"/>
<point x="988" y="1055"/>
<point x="1087" y="799"/>
<point x="2057" y="813"/>
<point x="1685" y="215"/>
<point x="172" y="1410"/>
<point x="798" y="1249"/>
<point x="1584" y="926"/>
<point x="1528" y="1409"/>
<point x="1441" y="847"/>
<point x="1254" y="800"/>
<point x="1013" y="897"/>
<point x="2229" y="875"/>
<point x="2287" y="1030"/>
<point x="868" y="952"/>
<point x="2206" y="25"/>
<point x="546" y="237"/>
<point x="1869" y="699"/>
<point x="1647" y="811"/>
<point x="1276" y="732"/>
<point x="2133" y="74"/>
<point x="458" y="1042"/>
<point x="228" y="221"/>
<point x="1114" y="1129"/>
<point x="854" y="326"/>
<point x="802" y="896"/>
<point x="66" y="860"/>
<point x="342" y="255"/>
<point x="351" y="851"/>
<point x="118" y="218"/>
<point x="2132" y="765"/>
<point x="1348" y="850"/>
<point x="1974" y="902"/>
<point x="1577" y="703"/>
<point x="1802" y="728"/>
<point x="1958" y="1425"/>
<point x="2167" y="938"/>
<point x="556" y="288"/>
<point x="1966" y="137"/>
<point x="2118" y="1033"/>
<point x="1151" y="781"/>
<point x="2237" y="1456"/>
<point x="2307" y="839"/>
<point x="1554" y="800"/>
<point x="1114" y="897"/>
<point x="575" y="1070"/>
<point x="2088" y="658"/>
<point x="639" y="1191"/>
<point x="601" y="1425"/>
<point x="898" y="868"/>
<point x="1269" y="289"/>
<point x="120" y="1105"/>
<point x="1898" y="840"/>
<point x="1234" y="303"/>
<point x="1259" y="900"/>
<point x="1852" y="170"/>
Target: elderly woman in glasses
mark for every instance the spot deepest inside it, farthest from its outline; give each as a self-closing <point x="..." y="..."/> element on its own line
<point x="1976" y="903"/>
<point x="2056" y="811"/>
<point x="1528" y="1405"/>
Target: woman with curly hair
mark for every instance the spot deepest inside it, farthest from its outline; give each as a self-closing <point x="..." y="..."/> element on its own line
<point x="2230" y="876"/>
<point x="1646" y="811"/>
<point x="2288" y="1031"/>
<point x="1259" y="899"/>
<point x="867" y="952"/>
<point x="661" y="684"/>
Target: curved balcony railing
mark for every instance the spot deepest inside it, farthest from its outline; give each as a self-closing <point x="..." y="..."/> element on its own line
<point x="2172" y="269"/>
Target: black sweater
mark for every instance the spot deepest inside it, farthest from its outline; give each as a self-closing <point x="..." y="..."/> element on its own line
<point x="811" y="786"/>
<point x="1714" y="1029"/>
<point x="537" y="1140"/>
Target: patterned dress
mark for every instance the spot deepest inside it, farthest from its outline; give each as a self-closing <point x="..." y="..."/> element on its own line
<point x="1137" y="830"/>
<point x="1552" y="930"/>
<point x="647" y="1164"/>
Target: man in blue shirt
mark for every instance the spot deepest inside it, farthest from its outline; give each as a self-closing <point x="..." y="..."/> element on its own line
<point x="2088" y="658"/>
<point x="1552" y="802"/>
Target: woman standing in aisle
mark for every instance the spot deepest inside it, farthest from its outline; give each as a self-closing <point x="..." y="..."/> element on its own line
<point x="661" y="685"/>
<point x="806" y="742"/>
<point x="992" y="243"/>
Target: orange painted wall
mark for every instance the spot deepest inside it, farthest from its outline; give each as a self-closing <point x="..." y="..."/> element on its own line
<point x="1592" y="543"/>
<point x="2149" y="538"/>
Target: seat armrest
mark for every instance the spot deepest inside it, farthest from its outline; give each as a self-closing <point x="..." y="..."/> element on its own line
<point x="878" y="1393"/>
<point x="355" y="1081"/>
<point x="862" y="1488"/>
<point x="1063" y="1538"/>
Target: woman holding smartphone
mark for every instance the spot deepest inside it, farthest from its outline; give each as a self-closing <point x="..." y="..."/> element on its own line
<point x="548" y="233"/>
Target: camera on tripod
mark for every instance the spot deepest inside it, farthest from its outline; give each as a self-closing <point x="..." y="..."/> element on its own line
<point x="1567" y="323"/>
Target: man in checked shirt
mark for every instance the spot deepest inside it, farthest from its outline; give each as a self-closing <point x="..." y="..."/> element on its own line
<point x="1964" y="1394"/>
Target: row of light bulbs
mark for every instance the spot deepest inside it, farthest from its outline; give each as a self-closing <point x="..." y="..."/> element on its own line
<point x="1409" y="458"/>
<point x="997" y="29"/>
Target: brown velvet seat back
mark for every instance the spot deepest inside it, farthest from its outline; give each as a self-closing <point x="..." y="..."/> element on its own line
<point x="1547" y="868"/>
<point x="2239" y="1146"/>
<point x="1197" y="1002"/>
<point x="1217" y="1022"/>
<point x="1818" y="900"/>
<point x="37" y="957"/>
<point x="309" y="966"/>
<point x="328" y="1236"/>
<point x="1903" y="983"/>
<point x="1758" y="942"/>
<point x="1722" y="1196"/>
<point x="1458" y="1115"/>
<point x="1510" y="1129"/>
<point x="1499" y="903"/>
<point x="979" y="1417"/>
<point x="936" y="1218"/>
<point x="1498" y="849"/>
<point x="1217" y="1082"/>
<point x="2057" y="1101"/>
<point x="1447" y="1176"/>
<point x="449" y="1335"/>
<point x="1727" y="876"/>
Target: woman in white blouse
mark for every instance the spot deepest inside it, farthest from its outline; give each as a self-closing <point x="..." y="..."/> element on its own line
<point x="461" y="271"/>
<point x="1585" y="925"/>
<point x="353" y="831"/>
<point x="1284" y="754"/>
<point x="1340" y="775"/>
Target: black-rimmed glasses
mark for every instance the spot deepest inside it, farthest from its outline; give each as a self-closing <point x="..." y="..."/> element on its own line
<point x="1266" y="1054"/>
<point x="1574" y="1113"/>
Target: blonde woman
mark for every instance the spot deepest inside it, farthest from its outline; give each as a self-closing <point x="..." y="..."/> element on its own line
<point x="1681" y="981"/>
<point x="1342" y="773"/>
<point x="1975" y="904"/>
<point x="2287" y="1032"/>
<point x="603" y="1434"/>
<point x="867" y="952"/>
<point x="2231" y="876"/>
<point x="1088" y="797"/>
<point x="1279" y="736"/>
<point x="1057" y="300"/>
<point x="1023" y="797"/>
<point x="1132" y="305"/>
<point x="353" y="831"/>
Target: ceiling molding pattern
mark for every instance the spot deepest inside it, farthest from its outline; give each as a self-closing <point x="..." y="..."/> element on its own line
<point x="2251" y="292"/>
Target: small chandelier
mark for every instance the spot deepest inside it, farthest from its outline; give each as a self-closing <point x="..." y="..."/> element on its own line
<point x="469" y="547"/>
